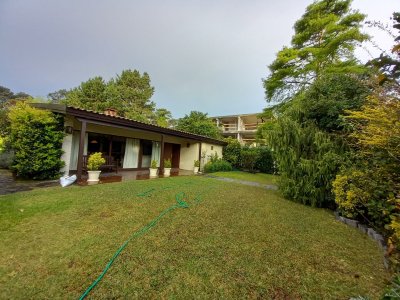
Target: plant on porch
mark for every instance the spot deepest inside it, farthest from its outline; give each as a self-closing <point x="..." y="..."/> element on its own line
<point x="196" y="166"/>
<point x="167" y="167"/>
<point x="153" y="168"/>
<point x="95" y="160"/>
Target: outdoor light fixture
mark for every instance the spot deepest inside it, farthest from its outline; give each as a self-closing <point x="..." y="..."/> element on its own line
<point x="69" y="129"/>
<point x="94" y="142"/>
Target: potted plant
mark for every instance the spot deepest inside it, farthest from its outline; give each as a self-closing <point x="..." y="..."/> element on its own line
<point x="167" y="167"/>
<point x="196" y="166"/>
<point x="153" y="168"/>
<point x="95" y="160"/>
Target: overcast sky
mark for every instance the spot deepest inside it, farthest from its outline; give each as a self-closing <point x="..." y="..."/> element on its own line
<point x="201" y="55"/>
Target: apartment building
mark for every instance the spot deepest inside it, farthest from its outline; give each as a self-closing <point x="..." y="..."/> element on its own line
<point x="242" y="127"/>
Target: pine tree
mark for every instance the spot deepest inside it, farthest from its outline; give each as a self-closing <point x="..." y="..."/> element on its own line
<point x="324" y="40"/>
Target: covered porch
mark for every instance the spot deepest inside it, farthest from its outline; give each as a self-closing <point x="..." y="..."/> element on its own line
<point x="129" y="146"/>
<point x="126" y="175"/>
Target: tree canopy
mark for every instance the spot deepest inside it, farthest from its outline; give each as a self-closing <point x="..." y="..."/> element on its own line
<point x="129" y="93"/>
<point x="324" y="40"/>
<point x="198" y="123"/>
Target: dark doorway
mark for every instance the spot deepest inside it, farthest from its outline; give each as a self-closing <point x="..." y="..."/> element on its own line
<point x="172" y="152"/>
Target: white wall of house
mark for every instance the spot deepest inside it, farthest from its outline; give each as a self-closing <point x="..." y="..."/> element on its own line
<point x="207" y="150"/>
<point x="67" y="148"/>
<point x="188" y="156"/>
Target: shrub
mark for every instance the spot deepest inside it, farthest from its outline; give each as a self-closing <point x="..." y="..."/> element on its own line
<point x="250" y="157"/>
<point x="36" y="138"/>
<point x="197" y="163"/>
<point x="154" y="164"/>
<point x="265" y="161"/>
<point x="95" y="161"/>
<point x="214" y="157"/>
<point x="167" y="163"/>
<point x="217" y="165"/>
<point x="232" y="152"/>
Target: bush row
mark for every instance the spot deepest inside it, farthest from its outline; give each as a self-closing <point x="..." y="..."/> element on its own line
<point x="249" y="158"/>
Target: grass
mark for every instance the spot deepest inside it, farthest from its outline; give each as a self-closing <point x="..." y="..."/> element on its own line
<point x="238" y="242"/>
<point x="258" y="177"/>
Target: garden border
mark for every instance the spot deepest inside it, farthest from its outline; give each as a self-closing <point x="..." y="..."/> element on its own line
<point x="368" y="231"/>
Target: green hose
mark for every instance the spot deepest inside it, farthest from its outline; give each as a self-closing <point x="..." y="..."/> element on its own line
<point x="180" y="203"/>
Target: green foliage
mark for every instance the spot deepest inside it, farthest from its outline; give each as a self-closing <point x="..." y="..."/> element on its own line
<point x="197" y="163"/>
<point x="129" y="93"/>
<point x="58" y="96"/>
<point x="89" y="95"/>
<point x="328" y="98"/>
<point x="95" y="161"/>
<point x="369" y="190"/>
<point x="217" y="165"/>
<point x="167" y="163"/>
<point x="2" y="144"/>
<point x="308" y="135"/>
<point x="308" y="158"/>
<point x="199" y="123"/>
<point x="249" y="158"/>
<point x="162" y="117"/>
<point x="231" y="152"/>
<point x="36" y="138"/>
<point x="324" y="40"/>
<point x="153" y="164"/>
<point x="393" y="291"/>
<point x="7" y="100"/>
<point x="265" y="161"/>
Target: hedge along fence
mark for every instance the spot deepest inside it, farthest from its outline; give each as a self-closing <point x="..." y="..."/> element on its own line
<point x="36" y="138"/>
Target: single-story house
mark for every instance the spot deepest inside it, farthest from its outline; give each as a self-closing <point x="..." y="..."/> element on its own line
<point x="129" y="143"/>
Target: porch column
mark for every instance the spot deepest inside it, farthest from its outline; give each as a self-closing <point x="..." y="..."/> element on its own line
<point x="162" y="155"/>
<point x="80" y="151"/>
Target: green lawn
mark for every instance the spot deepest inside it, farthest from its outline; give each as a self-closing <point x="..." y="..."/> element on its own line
<point x="237" y="242"/>
<point x="258" y="177"/>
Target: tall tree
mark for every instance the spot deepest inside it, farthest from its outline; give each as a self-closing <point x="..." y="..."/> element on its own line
<point x="58" y="96"/>
<point x="135" y="92"/>
<point x="89" y="95"/>
<point x="5" y="94"/>
<point x="7" y="100"/>
<point x="198" y="123"/>
<point x="129" y="93"/>
<point x="162" y="117"/>
<point x="324" y="40"/>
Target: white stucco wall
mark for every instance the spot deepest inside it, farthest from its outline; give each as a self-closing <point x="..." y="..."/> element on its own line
<point x="188" y="156"/>
<point x="207" y="150"/>
<point x="67" y="148"/>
